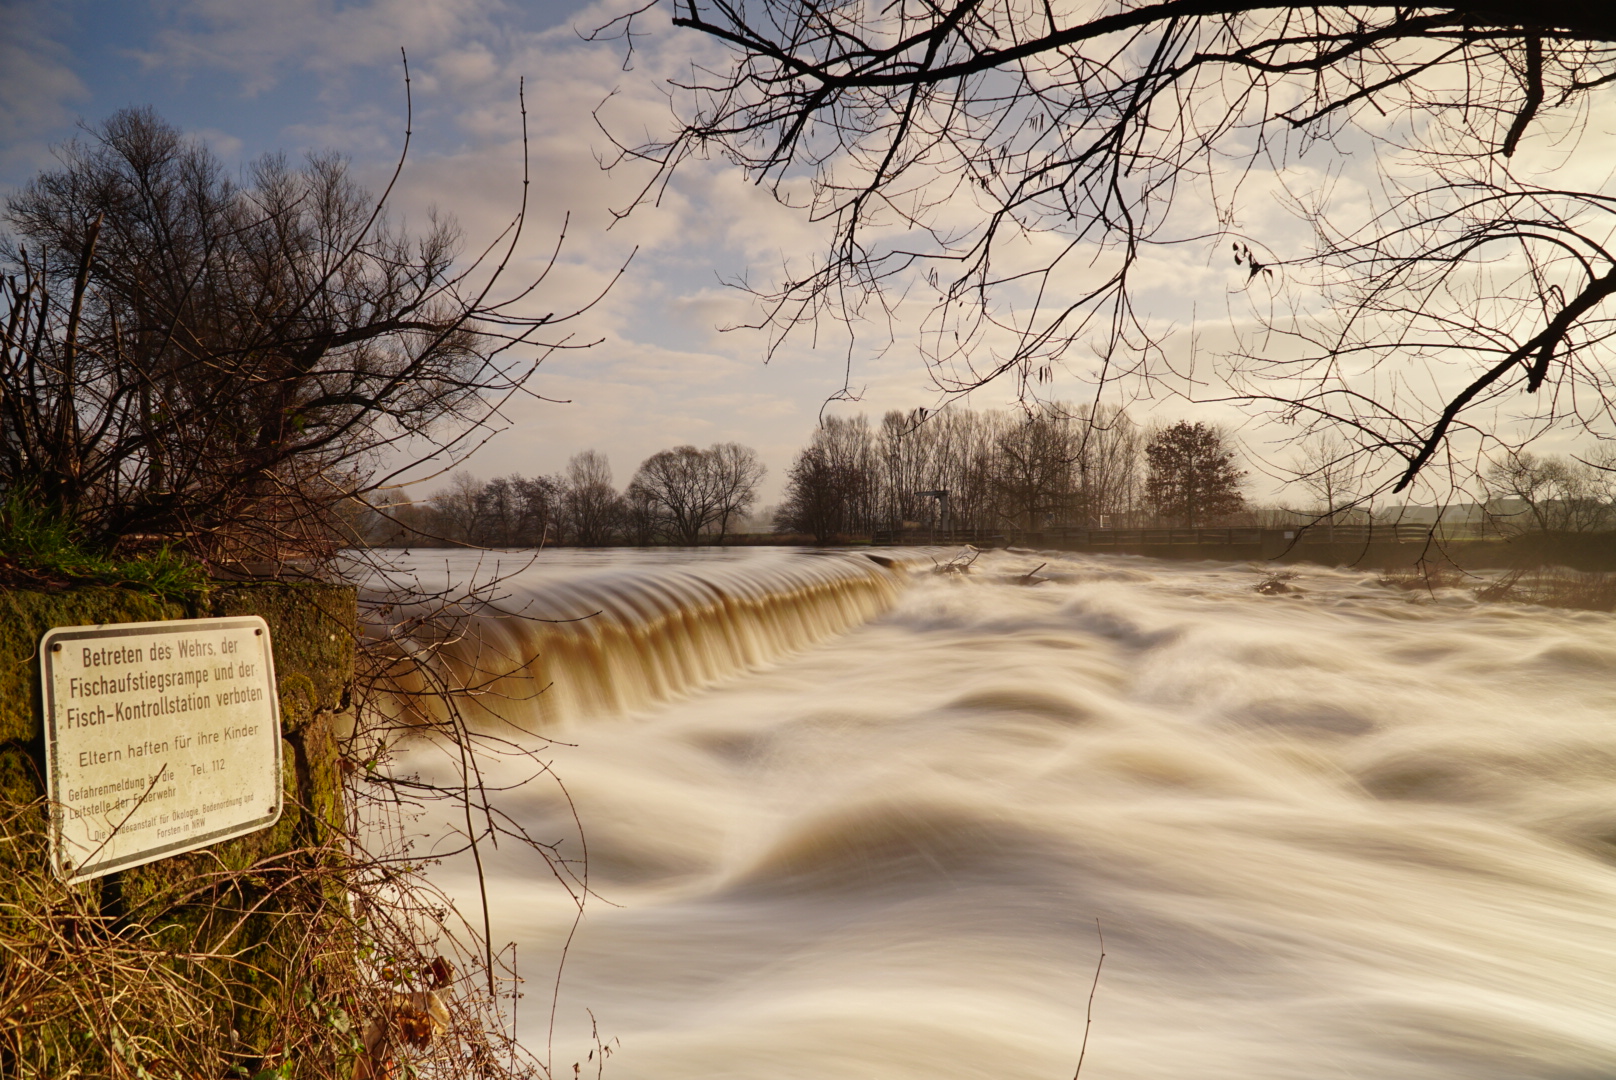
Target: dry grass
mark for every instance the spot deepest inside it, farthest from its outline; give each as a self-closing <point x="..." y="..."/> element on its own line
<point x="1425" y="577"/>
<point x="1558" y="588"/>
<point x="336" y="960"/>
<point x="322" y="963"/>
<point x="1546" y="587"/>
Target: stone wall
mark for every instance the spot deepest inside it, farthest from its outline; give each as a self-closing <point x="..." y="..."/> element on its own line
<point x="251" y="904"/>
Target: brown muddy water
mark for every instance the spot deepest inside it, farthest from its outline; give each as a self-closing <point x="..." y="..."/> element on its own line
<point x="846" y="822"/>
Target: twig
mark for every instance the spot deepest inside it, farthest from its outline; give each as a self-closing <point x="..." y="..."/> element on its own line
<point x="1088" y="1021"/>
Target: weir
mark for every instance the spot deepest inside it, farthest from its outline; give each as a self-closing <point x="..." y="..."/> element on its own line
<point x="549" y="643"/>
<point x="1343" y="829"/>
<point x="1337" y="830"/>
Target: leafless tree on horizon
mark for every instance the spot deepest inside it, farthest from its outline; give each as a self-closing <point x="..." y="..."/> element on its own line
<point x="1019" y="164"/>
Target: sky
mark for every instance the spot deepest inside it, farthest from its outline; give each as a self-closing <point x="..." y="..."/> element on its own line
<point x="310" y="75"/>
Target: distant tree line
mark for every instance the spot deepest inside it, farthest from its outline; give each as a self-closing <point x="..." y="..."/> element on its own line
<point x="963" y="471"/>
<point x="1552" y="493"/>
<point x="955" y="470"/>
<point x="958" y="470"/>
<point x="681" y="496"/>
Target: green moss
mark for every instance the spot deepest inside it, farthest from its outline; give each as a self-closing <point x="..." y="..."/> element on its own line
<point x="257" y="904"/>
<point x="20" y="779"/>
<point x="313" y="628"/>
<point x="26" y="614"/>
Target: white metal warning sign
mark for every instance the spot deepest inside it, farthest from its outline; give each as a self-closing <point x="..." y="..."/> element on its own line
<point x="159" y="738"/>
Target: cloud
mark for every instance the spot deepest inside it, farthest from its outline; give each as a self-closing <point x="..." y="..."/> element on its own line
<point x="324" y="73"/>
<point x="261" y="44"/>
<point x="38" y="87"/>
<point x="664" y="373"/>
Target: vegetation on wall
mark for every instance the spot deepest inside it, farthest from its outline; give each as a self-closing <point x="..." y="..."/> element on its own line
<point x="314" y="949"/>
<point x="39" y="548"/>
<point x="200" y="377"/>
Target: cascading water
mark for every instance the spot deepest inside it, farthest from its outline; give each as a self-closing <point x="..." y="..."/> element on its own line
<point x="1344" y="831"/>
<point x="577" y="634"/>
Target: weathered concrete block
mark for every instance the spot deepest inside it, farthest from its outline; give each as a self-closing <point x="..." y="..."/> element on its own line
<point x="255" y="903"/>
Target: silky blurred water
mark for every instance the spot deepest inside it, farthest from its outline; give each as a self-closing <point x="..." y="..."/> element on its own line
<point x="1342" y="832"/>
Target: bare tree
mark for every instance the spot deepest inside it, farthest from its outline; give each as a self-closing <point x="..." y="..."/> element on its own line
<point x="1034" y="473"/>
<point x="515" y="512"/>
<point x="737" y="473"/>
<point x="1058" y="465"/>
<point x="187" y="360"/>
<point x="816" y="498"/>
<point x="1328" y="471"/>
<point x="950" y="143"/>
<point x="950" y="450"/>
<point x="497" y="520"/>
<point x="689" y="490"/>
<point x="679" y="490"/>
<point x="1557" y="494"/>
<point x="1109" y="456"/>
<point x="456" y="507"/>
<point x="641" y="521"/>
<point x="593" y="509"/>
<point x="904" y="452"/>
<point x="848" y="445"/>
<point x="192" y="360"/>
<point x="540" y="498"/>
<point x="829" y="484"/>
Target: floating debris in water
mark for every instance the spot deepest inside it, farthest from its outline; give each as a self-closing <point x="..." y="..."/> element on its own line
<point x="1277" y="585"/>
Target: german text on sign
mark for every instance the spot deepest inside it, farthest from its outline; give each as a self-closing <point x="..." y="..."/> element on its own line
<point x="159" y="738"/>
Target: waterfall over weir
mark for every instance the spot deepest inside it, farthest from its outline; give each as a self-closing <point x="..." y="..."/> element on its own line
<point x="844" y="825"/>
<point x="588" y="634"/>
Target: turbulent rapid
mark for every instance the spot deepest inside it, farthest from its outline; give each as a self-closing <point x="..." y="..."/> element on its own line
<point x="1344" y="831"/>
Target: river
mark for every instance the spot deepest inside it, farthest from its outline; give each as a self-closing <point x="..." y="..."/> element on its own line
<point x="846" y="822"/>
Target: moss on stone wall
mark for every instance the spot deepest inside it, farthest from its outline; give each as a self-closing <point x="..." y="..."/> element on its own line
<point x="26" y="614"/>
<point x="252" y="906"/>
